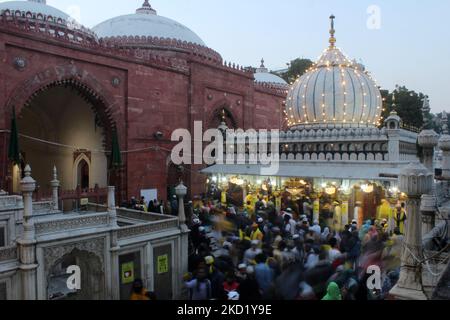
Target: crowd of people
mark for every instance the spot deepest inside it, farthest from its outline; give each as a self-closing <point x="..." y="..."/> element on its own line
<point x="259" y="252"/>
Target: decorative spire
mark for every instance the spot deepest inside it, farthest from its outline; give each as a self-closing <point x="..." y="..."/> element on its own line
<point x="426" y="112"/>
<point x="146" y="8"/>
<point x="332" y="32"/>
<point x="394" y="105"/>
<point x="262" y="68"/>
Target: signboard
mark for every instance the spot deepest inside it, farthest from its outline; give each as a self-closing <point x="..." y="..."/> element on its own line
<point x="84" y="201"/>
<point x="163" y="264"/>
<point x="127" y="273"/>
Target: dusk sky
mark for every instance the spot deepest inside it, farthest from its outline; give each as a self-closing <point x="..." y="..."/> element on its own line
<point x="411" y="46"/>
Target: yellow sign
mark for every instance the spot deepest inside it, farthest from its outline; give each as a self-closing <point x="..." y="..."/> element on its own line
<point x="84" y="201"/>
<point x="127" y="273"/>
<point x="163" y="264"/>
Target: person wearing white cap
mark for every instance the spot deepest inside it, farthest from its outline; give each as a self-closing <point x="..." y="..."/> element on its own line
<point x="241" y="274"/>
<point x="316" y="228"/>
<point x="252" y="252"/>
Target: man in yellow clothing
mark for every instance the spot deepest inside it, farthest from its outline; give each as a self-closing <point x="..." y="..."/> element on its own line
<point x="256" y="233"/>
<point x="400" y="218"/>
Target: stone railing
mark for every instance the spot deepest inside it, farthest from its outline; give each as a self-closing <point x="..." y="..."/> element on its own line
<point x="51" y="26"/>
<point x="335" y="134"/>
<point x="65" y="35"/>
<point x="272" y="88"/>
<point x="71" y="223"/>
<point x="8" y="253"/>
<point x="334" y="156"/>
<point x="162" y="43"/>
<point x="11" y="202"/>
<point x="43" y="207"/>
<point x="139" y="215"/>
<point x="150" y="227"/>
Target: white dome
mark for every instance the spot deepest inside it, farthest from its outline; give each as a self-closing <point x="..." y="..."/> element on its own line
<point x="34" y="6"/>
<point x="263" y="75"/>
<point x="146" y="23"/>
<point x="334" y="92"/>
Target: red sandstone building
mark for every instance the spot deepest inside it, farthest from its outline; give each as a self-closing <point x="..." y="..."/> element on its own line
<point x="143" y="74"/>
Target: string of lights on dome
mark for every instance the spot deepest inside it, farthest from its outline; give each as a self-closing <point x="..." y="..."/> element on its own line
<point x="352" y="78"/>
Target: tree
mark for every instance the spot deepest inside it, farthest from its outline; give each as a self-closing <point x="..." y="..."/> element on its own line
<point x="408" y="105"/>
<point x="297" y="67"/>
<point x="436" y="122"/>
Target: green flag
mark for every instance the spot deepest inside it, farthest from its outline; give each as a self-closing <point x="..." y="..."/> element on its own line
<point x="116" y="157"/>
<point x="13" y="151"/>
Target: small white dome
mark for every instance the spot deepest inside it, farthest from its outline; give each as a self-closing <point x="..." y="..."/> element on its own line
<point x="146" y="23"/>
<point x="34" y="6"/>
<point x="263" y="75"/>
<point x="335" y="92"/>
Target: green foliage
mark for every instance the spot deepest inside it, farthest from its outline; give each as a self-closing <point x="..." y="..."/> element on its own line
<point x="408" y="105"/>
<point x="297" y="68"/>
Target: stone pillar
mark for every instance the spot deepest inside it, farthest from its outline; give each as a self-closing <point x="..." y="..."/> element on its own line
<point x="444" y="145"/>
<point x="415" y="180"/>
<point x="27" y="241"/>
<point x="181" y="191"/>
<point x="428" y="207"/>
<point x="428" y="140"/>
<point x="112" y="207"/>
<point x="114" y="286"/>
<point x="55" y="186"/>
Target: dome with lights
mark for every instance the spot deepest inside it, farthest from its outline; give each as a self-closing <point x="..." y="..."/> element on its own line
<point x="146" y="23"/>
<point x="335" y="92"/>
<point x="262" y="75"/>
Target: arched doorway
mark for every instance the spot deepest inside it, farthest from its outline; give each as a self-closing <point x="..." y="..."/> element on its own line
<point x="55" y="124"/>
<point x="83" y="174"/>
<point x="92" y="277"/>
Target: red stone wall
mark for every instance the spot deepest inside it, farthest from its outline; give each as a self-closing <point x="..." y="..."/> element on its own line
<point x="147" y="98"/>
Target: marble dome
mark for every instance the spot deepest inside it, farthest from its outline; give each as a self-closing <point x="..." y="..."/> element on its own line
<point x="34" y="6"/>
<point x="263" y="75"/>
<point x="335" y="92"/>
<point x="146" y="23"/>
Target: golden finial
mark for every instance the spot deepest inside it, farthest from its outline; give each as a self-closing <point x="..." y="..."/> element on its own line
<point x="332" y="32"/>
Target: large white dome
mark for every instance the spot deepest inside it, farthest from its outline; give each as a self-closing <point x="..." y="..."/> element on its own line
<point x="335" y="92"/>
<point x="146" y="23"/>
<point x="34" y="6"/>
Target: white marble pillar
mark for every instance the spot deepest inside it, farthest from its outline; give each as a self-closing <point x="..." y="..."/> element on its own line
<point x="112" y="207"/>
<point x="55" y="186"/>
<point x="415" y="180"/>
<point x="181" y="191"/>
<point x="444" y="145"/>
<point x="428" y="140"/>
<point x="428" y="207"/>
<point x="27" y="241"/>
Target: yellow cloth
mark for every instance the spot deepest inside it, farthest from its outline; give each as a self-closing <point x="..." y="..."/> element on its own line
<point x="384" y="211"/>
<point x="257" y="235"/>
